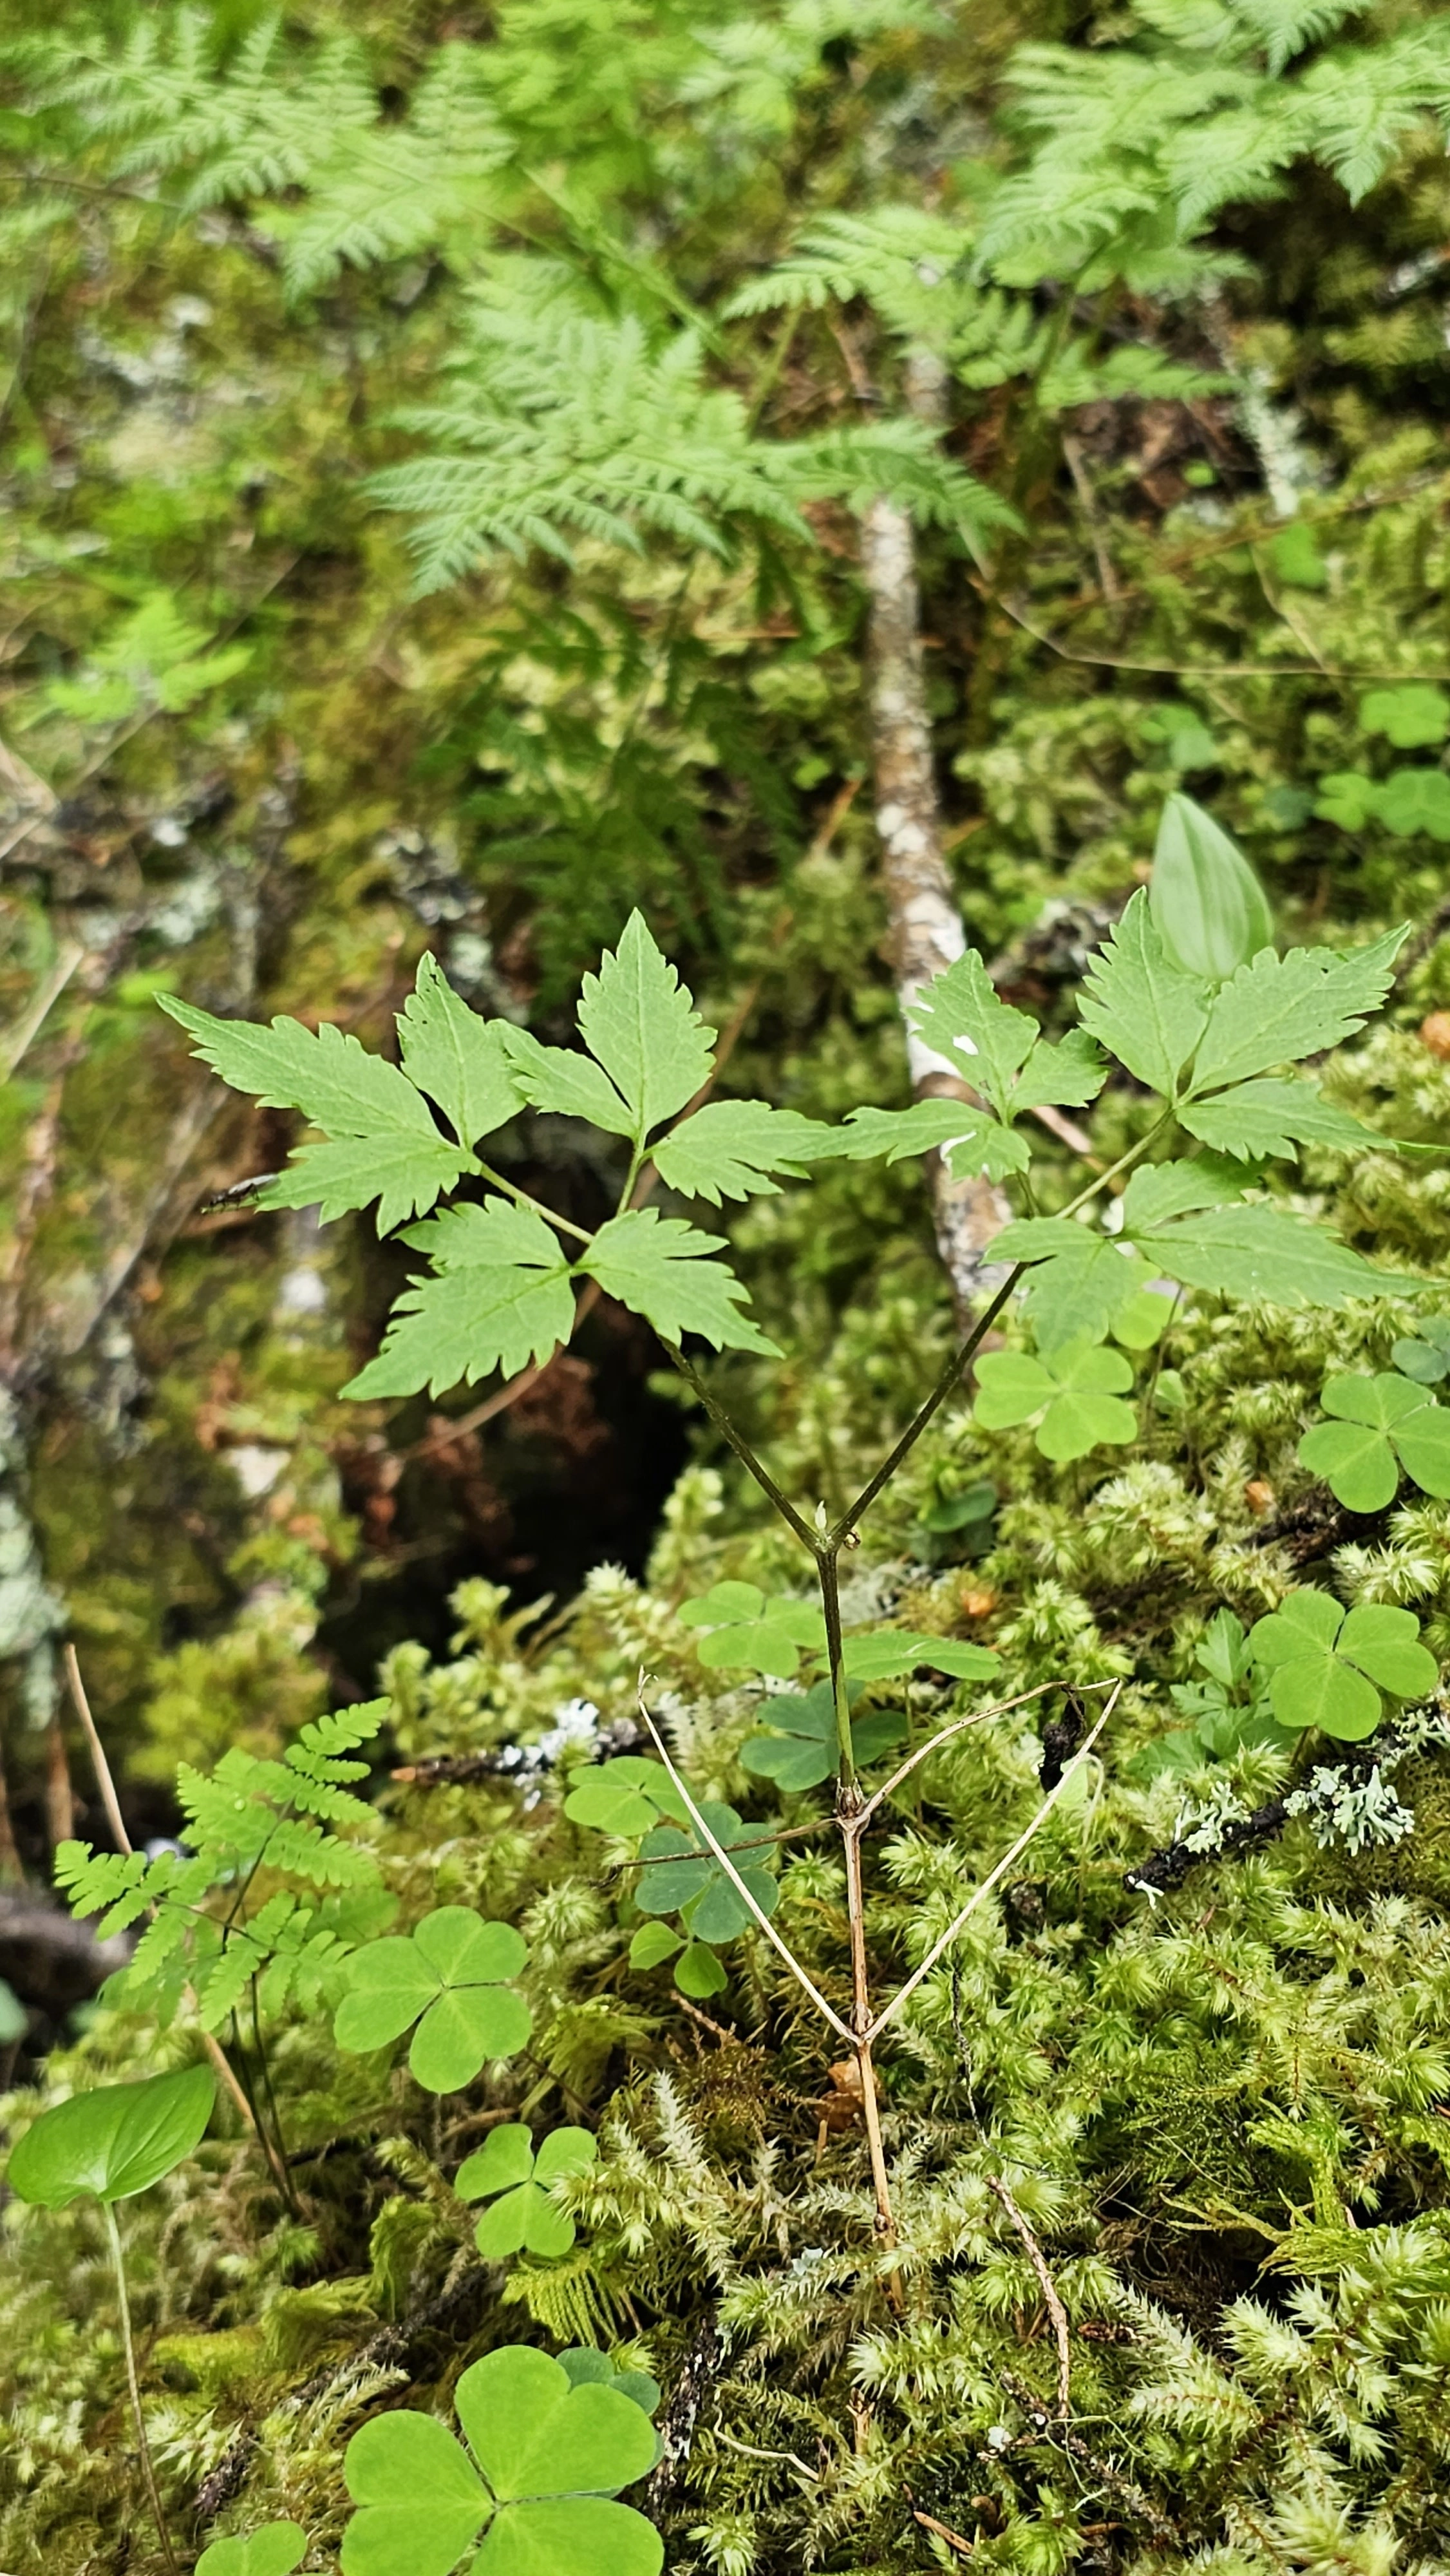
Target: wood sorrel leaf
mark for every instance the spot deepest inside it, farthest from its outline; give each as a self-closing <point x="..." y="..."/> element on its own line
<point x="274" y="2550"/>
<point x="449" y="1975"/>
<point x="113" y="2142"/>
<point x="551" y="2447"/>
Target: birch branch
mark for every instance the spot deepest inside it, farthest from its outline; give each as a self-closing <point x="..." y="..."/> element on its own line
<point x="926" y="926"/>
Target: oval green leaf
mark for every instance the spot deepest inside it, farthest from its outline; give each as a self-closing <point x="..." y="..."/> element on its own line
<point x="113" y="2142"/>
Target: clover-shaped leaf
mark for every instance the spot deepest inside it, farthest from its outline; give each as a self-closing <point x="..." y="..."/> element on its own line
<point x="749" y="1631"/>
<point x="110" y="2143"/>
<point x="624" y="1796"/>
<point x="449" y="1976"/>
<point x="1412" y="715"/>
<point x="545" y="2458"/>
<point x="698" y="1972"/>
<point x="681" y="1875"/>
<point x="506" y="2170"/>
<point x="584" y="2366"/>
<point x="1426" y="1358"/>
<point x="1381" y="1424"/>
<point x="799" y="1748"/>
<point x="1324" y="1664"/>
<point x="273" y="2551"/>
<point x="1073" y="1393"/>
<point x="888" y="1653"/>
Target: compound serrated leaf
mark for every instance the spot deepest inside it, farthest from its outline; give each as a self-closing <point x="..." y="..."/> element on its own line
<point x="405" y="1174"/>
<point x="661" y="1269"/>
<point x="733" y="1148"/>
<point x="639" y="1022"/>
<point x="458" y="1058"/>
<point x="1141" y="1005"/>
<point x="1278" y="1009"/>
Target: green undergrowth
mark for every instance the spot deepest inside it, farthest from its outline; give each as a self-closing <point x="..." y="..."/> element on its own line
<point x="1217" y="2110"/>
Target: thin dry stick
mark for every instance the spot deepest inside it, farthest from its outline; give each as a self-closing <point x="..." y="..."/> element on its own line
<point x="112" y="1804"/>
<point x="101" y="1766"/>
<point x="958" y="1726"/>
<point x="944" y="2531"/>
<point x="1048" y="2287"/>
<point x="904" y="1993"/>
<point x="842" y="2028"/>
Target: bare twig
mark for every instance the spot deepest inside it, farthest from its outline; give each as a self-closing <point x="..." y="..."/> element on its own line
<point x="101" y="1766"/>
<point x="828" y="2011"/>
<point x="17" y="1039"/>
<point x="958" y="1726"/>
<point x="1048" y="2287"/>
<point x="904" y="1993"/>
<point x="944" y="2531"/>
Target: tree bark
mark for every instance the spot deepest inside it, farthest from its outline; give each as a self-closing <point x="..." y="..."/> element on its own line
<point x="926" y="927"/>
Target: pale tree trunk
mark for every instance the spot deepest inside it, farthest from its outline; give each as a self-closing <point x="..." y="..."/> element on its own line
<point x="925" y="925"/>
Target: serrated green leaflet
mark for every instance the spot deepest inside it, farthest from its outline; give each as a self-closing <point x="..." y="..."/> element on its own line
<point x="384" y="1139"/>
<point x="1327" y="1668"/>
<point x="680" y="1874"/>
<point x="109" y="2144"/>
<point x="1074" y="1394"/>
<point x="638" y="1021"/>
<point x="405" y="1174"/>
<point x="1065" y="1076"/>
<point x="1141" y="1005"/>
<point x="971" y="1139"/>
<point x="329" y="1075"/>
<point x="1268" y="1117"/>
<point x="568" y="1084"/>
<point x="274" y="2550"/>
<point x="456" y="1057"/>
<point x="962" y="1018"/>
<point x="1078" y="1294"/>
<point x="467" y="1321"/>
<point x="733" y="1148"/>
<point x="797" y="1745"/>
<point x="1277" y="1009"/>
<point x="544" y="2457"/>
<point x="1260" y="1251"/>
<point x="1208" y="906"/>
<point x="1158" y="1191"/>
<point x="449" y="1976"/>
<point x="1378" y="1424"/>
<point x="507" y="2171"/>
<point x="659" y="1267"/>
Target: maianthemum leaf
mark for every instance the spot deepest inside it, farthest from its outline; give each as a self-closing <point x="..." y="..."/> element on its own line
<point x="1277" y="1010"/>
<point x="1208" y="906"/>
<point x="1141" y="1005"/>
<point x="639" y="1022"/>
<point x="660" y="1268"/>
<point x="455" y="1056"/>
<point x="113" y="2142"/>
<point x="732" y="1148"/>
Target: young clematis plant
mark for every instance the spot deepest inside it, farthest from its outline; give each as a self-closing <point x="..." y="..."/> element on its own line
<point x="1188" y="999"/>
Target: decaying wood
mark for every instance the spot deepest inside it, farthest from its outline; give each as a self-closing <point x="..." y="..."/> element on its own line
<point x="926" y="926"/>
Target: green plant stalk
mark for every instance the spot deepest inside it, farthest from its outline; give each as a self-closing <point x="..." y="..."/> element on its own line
<point x="148" y="2471"/>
